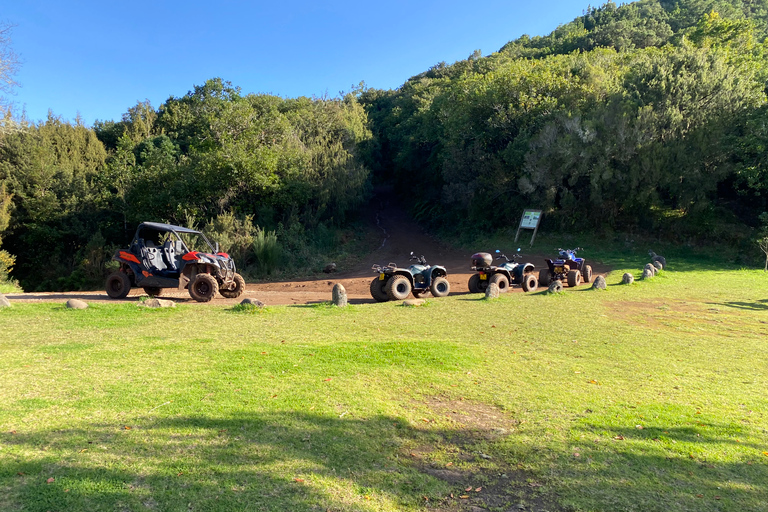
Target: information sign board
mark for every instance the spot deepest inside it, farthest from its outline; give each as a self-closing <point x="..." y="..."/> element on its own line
<point x="529" y="220"/>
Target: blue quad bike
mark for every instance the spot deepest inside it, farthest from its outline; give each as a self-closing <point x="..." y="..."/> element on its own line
<point x="568" y="268"/>
<point x="166" y="256"/>
<point x="395" y="283"/>
<point x="510" y="272"/>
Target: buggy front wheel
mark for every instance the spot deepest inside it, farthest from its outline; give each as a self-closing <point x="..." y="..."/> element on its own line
<point x="203" y="287"/>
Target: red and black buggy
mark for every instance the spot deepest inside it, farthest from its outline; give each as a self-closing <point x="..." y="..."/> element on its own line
<point x="167" y="256"/>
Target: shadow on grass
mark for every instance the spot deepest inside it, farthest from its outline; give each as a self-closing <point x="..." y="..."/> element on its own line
<point x="276" y="461"/>
<point x="656" y="468"/>
<point x="758" y="305"/>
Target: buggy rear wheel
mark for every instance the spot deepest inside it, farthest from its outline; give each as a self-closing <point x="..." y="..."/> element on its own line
<point x="501" y="281"/>
<point x="440" y="287"/>
<point x="203" y="287"/>
<point x="118" y="285"/>
<point x="574" y="278"/>
<point x="377" y="290"/>
<point x="153" y="291"/>
<point x="238" y="289"/>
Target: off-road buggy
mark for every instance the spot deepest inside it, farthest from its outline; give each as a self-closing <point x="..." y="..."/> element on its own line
<point x="508" y="273"/>
<point x="166" y="256"/>
<point x="393" y="283"/>
<point x="568" y="269"/>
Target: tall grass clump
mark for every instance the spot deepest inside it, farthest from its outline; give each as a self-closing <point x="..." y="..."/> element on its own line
<point x="267" y="250"/>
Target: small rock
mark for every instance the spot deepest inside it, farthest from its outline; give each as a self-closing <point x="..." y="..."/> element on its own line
<point x="414" y="302"/>
<point x="659" y="265"/>
<point x="157" y="303"/>
<point x="627" y="278"/>
<point x="492" y="292"/>
<point x="599" y="283"/>
<point x="339" y="295"/>
<point x="555" y="287"/>
<point x="253" y="302"/>
<point x="4" y="302"/>
<point x="76" y="304"/>
<point x="331" y="267"/>
<point x="651" y="268"/>
<point x="648" y="274"/>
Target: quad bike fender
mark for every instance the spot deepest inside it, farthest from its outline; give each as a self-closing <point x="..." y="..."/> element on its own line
<point x="521" y="270"/>
<point x="402" y="272"/>
<point x="437" y="271"/>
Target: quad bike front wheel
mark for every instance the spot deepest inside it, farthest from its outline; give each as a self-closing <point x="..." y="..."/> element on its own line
<point x="501" y="281"/>
<point x="574" y="278"/>
<point x="235" y="291"/>
<point x="530" y="283"/>
<point x="203" y="287"/>
<point x="398" y="288"/>
<point x="118" y="285"/>
<point x="544" y="277"/>
<point x="440" y="287"/>
<point x="377" y="290"/>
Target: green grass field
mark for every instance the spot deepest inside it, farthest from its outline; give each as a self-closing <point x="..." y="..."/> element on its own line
<point x="647" y="397"/>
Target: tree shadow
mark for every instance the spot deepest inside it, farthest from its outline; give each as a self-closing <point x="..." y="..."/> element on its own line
<point x="758" y="305"/>
<point x="273" y="461"/>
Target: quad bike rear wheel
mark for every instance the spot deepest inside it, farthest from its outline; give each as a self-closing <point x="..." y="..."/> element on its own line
<point x="440" y="287"/>
<point x="118" y="285"/>
<point x="153" y="291"/>
<point x="501" y="281"/>
<point x="544" y="277"/>
<point x="530" y="283"/>
<point x="237" y="290"/>
<point x="474" y="283"/>
<point x="574" y="278"/>
<point x="203" y="287"/>
<point x="587" y="274"/>
<point x="377" y="290"/>
<point x="398" y="288"/>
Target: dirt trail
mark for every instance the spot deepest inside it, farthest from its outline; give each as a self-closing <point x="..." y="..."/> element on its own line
<point x="399" y="236"/>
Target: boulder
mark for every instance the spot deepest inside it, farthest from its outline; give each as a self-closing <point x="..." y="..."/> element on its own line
<point x="492" y="292"/>
<point x="76" y="304"/>
<point x="627" y="278"/>
<point x="649" y="266"/>
<point x="414" y="302"/>
<point x="252" y="302"/>
<point x="599" y="283"/>
<point x="331" y="267"/>
<point x="648" y="274"/>
<point x="661" y="259"/>
<point x="4" y="302"/>
<point x="339" y="295"/>
<point x="659" y="265"/>
<point x="555" y="287"/>
<point x="157" y="303"/>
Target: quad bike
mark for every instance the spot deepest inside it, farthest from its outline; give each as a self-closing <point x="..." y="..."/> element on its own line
<point x="508" y="273"/>
<point x="165" y="256"/>
<point x="395" y="283"/>
<point x="568" y="269"/>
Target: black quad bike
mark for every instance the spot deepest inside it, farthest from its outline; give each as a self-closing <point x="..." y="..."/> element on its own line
<point x="395" y="283"/>
<point x="166" y="256"/>
<point x="568" y="269"/>
<point x="508" y="273"/>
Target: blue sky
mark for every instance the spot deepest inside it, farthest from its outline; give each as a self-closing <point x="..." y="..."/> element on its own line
<point x="99" y="58"/>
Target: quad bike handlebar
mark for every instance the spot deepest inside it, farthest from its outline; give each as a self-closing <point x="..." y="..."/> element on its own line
<point x="513" y="258"/>
<point x="420" y="259"/>
<point x="569" y="253"/>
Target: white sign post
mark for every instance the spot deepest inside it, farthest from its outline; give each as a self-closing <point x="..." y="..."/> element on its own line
<point x="530" y="220"/>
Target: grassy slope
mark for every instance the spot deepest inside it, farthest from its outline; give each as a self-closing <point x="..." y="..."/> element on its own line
<point x="642" y="397"/>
